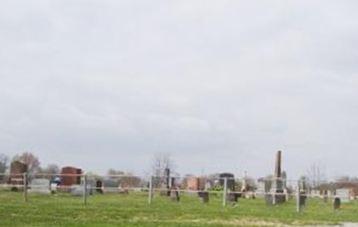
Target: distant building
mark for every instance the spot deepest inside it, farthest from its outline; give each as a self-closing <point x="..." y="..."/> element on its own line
<point x="349" y="189"/>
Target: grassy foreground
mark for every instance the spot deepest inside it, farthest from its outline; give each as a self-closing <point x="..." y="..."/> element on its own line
<point x="133" y="210"/>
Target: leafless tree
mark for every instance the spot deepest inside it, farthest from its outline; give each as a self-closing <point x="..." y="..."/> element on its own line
<point x="316" y="175"/>
<point x="3" y="163"/>
<point x="51" y="169"/>
<point x="30" y="160"/>
<point x="114" y="172"/>
<point x="129" y="180"/>
<point x="160" y="162"/>
<point x="343" y="179"/>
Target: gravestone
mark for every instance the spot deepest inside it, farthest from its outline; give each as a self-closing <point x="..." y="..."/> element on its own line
<point x="303" y="198"/>
<point x="336" y="203"/>
<point x="263" y="187"/>
<point x="166" y="183"/>
<point x="244" y="185"/>
<point x="99" y="188"/>
<point x="260" y="188"/>
<point x="204" y="196"/>
<point x="110" y="185"/>
<point x="70" y="176"/>
<point x="91" y="185"/>
<point x="276" y="194"/>
<point x="302" y="190"/>
<point x="53" y="187"/>
<point x="229" y="179"/>
<point x="77" y="190"/>
<point x="41" y="186"/>
<point x="233" y="197"/>
<point x="325" y="196"/>
<point x="16" y="179"/>
<point x="174" y="195"/>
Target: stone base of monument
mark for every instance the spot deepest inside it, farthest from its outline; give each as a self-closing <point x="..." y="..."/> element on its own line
<point x="233" y="197"/>
<point x="204" y="196"/>
<point x="174" y="195"/>
<point x="273" y="199"/>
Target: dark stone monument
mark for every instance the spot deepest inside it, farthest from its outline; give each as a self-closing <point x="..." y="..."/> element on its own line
<point x="70" y="175"/>
<point x="99" y="186"/>
<point x="230" y="181"/>
<point x="166" y="183"/>
<point x="276" y="194"/>
<point x="325" y="196"/>
<point x="204" y="196"/>
<point x="336" y="203"/>
<point x="303" y="188"/>
<point x="17" y="169"/>
<point x="303" y="198"/>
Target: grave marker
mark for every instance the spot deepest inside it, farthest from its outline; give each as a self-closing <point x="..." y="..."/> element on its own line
<point x="41" y="186"/>
<point x="276" y="194"/>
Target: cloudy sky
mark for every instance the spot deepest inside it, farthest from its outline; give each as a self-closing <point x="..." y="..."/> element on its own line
<point x="220" y="85"/>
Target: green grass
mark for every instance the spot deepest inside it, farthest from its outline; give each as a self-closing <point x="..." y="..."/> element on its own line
<point x="133" y="210"/>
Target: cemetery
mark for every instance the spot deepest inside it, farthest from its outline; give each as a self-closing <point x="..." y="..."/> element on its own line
<point x="222" y="199"/>
<point x="174" y="113"/>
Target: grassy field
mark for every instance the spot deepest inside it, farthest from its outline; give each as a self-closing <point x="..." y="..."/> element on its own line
<point x="133" y="210"/>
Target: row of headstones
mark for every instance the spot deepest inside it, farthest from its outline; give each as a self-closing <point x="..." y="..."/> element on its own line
<point x="232" y="197"/>
<point x="336" y="202"/>
<point x="41" y="185"/>
<point x="44" y="186"/>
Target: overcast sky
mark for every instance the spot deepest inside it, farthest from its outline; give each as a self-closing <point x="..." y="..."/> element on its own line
<point x="220" y="85"/>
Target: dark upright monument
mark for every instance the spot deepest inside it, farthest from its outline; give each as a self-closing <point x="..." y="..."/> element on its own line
<point x="17" y="180"/>
<point x="166" y="183"/>
<point x="276" y="194"/>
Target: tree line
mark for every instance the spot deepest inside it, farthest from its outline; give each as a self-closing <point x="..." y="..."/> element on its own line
<point x="160" y="162"/>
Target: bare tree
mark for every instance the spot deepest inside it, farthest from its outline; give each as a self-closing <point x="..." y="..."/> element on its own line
<point x="316" y="175"/>
<point x="51" y="169"/>
<point x="129" y="180"/>
<point x="30" y="160"/>
<point x="3" y="163"/>
<point x="160" y="162"/>
<point x="342" y="179"/>
<point x="114" y="172"/>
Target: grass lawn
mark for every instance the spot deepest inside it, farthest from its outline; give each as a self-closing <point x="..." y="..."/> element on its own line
<point x="133" y="210"/>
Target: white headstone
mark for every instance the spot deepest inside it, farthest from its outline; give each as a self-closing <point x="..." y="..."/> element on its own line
<point x="77" y="190"/>
<point x="40" y="186"/>
<point x="260" y="190"/>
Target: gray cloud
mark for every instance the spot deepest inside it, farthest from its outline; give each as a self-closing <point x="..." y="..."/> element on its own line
<point x="219" y="84"/>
